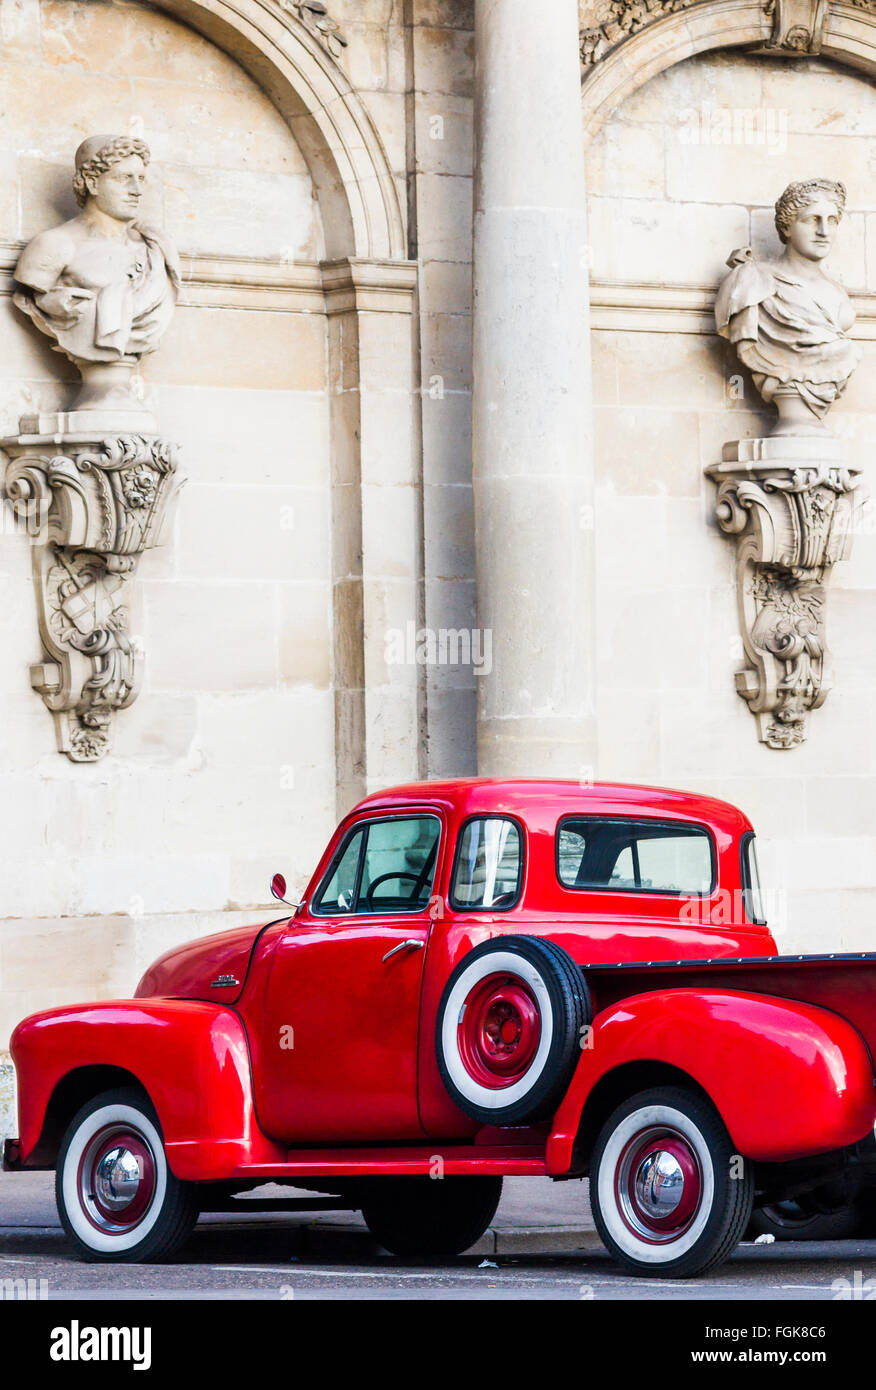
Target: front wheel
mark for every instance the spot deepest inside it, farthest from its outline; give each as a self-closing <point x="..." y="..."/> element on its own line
<point x="429" y="1216"/>
<point x="670" y="1196"/>
<point x="117" y="1198"/>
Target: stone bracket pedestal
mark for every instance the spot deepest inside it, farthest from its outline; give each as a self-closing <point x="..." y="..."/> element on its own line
<point x="91" y="503"/>
<point x="791" y="503"/>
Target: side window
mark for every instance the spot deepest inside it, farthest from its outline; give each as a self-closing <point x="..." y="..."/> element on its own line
<point x="337" y="892"/>
<point x="752" y="894"/>
<point x="634" y="856"/>
<point x="385" y="866"/>
<point x="399" y="865"/>
<point x="488" y="872"/>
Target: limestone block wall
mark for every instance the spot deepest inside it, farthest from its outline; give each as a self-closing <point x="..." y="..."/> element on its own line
<point x="686" y="170"/>
<point x="223" y="770"/>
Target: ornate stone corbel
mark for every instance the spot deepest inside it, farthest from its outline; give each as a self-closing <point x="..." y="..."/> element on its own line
<point x="89" y="511"/>
<point x="791" y="504"/>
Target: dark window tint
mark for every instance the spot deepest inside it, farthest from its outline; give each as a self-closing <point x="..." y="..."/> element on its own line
<point x="635" y="856"/>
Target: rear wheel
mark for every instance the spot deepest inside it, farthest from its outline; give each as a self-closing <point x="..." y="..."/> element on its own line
<point x="430" y="1216"/>
<point x="670" y="1196"/>
<point x="117" y="1198"/>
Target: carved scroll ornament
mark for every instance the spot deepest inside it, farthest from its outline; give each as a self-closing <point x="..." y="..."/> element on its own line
<point x="793" y="519"/>
<point x="90" y="512"/>
<point x="797" y="25"/>
<point x="625" y="17"/>
<point x="316" y="18"/>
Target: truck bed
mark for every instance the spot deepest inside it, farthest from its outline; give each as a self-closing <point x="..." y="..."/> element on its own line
<point x="842" y="982"/>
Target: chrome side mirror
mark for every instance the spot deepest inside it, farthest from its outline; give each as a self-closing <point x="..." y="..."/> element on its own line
<point x="278" y="891"/>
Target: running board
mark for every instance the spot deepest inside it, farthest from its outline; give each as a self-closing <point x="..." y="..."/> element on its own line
<point x="419" y="1161"/>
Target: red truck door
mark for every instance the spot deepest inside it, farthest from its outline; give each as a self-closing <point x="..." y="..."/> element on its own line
<point x="337" y="1056"/>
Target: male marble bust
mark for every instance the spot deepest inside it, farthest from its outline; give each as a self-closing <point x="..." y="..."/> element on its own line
<point x="102" y="285"/>
<point x="789" y="320"/>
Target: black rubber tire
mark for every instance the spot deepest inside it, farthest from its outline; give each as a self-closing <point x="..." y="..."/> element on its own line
<point x="571" y="1011"/>
<point x="730" y="1208"/>
<point x="424" y="1216"/>
<point x="772" y="1220"/>
<point x="168" y="1230"/>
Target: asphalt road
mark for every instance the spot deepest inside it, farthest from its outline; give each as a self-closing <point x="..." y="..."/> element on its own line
<point x="283" y="1258"/>
<point x="256" y="1264"/>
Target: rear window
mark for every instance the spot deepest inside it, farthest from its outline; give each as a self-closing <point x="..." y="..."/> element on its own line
<point x="634" y="856"/>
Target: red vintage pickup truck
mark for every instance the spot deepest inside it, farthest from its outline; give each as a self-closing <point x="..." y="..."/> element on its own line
<point x="483" y="978"/>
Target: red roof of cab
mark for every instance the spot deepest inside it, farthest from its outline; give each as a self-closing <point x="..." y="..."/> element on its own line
<point x="469" y="795"/>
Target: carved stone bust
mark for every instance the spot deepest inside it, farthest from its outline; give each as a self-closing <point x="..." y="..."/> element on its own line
<point x="789" y="320"/>
<point x="103" y="286"/>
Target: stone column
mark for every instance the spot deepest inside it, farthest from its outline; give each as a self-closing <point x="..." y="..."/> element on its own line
<point x="376" y="522"/>
<point x="532" y="412"/>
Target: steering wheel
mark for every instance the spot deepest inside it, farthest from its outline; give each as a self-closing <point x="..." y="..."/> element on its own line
<point x="382" y="878"/>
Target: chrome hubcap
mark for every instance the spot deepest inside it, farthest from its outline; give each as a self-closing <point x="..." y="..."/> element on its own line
<point x="117" y="1178"/>
<point x="659" y="1184"/>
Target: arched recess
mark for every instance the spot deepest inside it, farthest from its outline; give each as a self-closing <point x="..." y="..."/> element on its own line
<point x="849" y="36"/>
<point x="358" y="198"/>
<point x="369" y="292"/>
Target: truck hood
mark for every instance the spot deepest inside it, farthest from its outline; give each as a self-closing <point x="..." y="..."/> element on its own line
<point x="194" y="971"/>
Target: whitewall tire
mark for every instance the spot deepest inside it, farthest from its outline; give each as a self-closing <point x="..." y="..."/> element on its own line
<point x="117" y="1198"/>
<point x="670" y="1197"/>
<point x="509" y="1029"/>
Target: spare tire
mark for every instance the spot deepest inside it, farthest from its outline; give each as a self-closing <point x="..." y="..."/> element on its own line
<point x="509" y="1030"/>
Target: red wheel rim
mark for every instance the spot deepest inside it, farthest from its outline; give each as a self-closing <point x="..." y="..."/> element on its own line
<point x="658" y="1185"/>
<point x="116" y="1180"/>
<point x="499" y="1031"/>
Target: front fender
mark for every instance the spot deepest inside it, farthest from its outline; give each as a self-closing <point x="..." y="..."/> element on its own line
<point x="190" y="1057"/>
<point x="789" y="1079"/>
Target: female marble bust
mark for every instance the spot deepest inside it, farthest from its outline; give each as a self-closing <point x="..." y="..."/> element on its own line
<point x="102" y="285"/>
<point x="786" y="317"/>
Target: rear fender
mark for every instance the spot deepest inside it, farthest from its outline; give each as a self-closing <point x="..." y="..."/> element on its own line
<point x="191" y="1058"/>
<point x="789" y="1079"/>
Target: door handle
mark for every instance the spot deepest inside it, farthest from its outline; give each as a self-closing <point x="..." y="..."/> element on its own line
<point x="411" y="945"/>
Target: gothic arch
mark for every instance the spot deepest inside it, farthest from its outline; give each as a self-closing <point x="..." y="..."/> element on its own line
<point x="848" y="36"/>
<point x="357" y="193"/>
